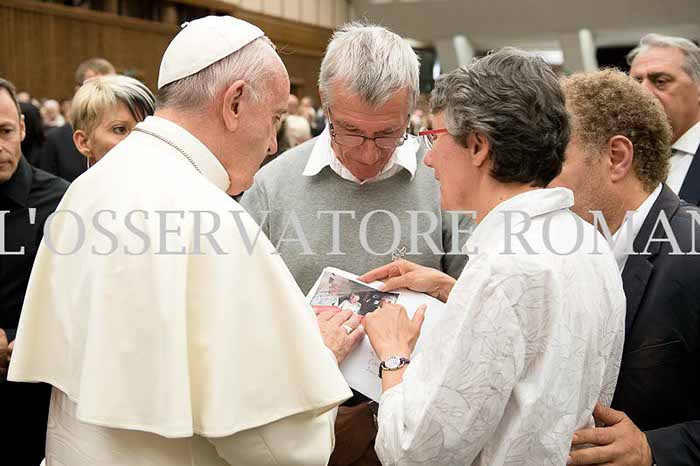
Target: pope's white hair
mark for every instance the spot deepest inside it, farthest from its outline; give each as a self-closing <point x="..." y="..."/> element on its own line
<point x="373" y="62"/>
<point x="691" y="52"/>
<point x="253" y="64"/>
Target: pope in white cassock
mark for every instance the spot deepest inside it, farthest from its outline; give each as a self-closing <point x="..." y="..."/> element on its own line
<point x="170" y="333"/>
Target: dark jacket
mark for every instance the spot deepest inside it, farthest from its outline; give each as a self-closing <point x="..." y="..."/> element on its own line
<point x="659" y="382"/>
<point x="60" y="156"/>
<point x="690" y="189"/>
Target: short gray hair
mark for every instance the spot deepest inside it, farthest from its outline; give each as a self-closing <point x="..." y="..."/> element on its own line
<point x="375" y="62"/>
<point x="99" y="95"/>
<point x="691" y="52"/>
<point x="194" y="93"/>
<point x="515" y="101"/>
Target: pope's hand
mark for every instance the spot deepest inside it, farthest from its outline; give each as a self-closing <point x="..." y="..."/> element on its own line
<point x="619" y="443"/>
<point x="405" y="274"/>
<point x="341" y="331"/>
<point x="4" y="354"/>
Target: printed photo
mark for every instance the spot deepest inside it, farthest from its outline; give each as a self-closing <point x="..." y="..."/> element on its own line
<point x="343" y="293"/>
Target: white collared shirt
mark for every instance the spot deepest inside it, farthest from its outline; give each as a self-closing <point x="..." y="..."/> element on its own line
<point x="684" y="150"/>
<point x="323" y="156"/>
<point x="524" y="349"/>
<point x="624" y="237"/>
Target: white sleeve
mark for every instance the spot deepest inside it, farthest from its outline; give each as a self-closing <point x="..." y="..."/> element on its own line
<point x="455" y="390"/>
<point x="304" y="439"/>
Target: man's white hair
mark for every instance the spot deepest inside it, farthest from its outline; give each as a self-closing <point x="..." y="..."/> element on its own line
<point x="253" y="64"/>
<point x="372" y="61"/>
<point x="691" y="64"/>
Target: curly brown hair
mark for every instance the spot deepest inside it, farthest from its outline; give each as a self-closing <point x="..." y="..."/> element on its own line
<point x="607" y="103"/>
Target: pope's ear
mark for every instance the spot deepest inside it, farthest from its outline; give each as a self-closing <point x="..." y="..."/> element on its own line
<point x="233" y="103"/>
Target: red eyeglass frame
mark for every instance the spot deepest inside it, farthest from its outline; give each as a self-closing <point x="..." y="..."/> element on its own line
<point x="432" y="131"/>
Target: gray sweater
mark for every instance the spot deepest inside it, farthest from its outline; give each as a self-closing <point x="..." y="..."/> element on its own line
<point x="309" y="239"/>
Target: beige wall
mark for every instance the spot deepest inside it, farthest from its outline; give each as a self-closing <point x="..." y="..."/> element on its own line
<point x="326" y="13"/>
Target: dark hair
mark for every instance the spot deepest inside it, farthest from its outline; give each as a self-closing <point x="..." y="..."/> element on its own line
<point x="35" y="137"/>
<point x="10" y="88"/>
<point x="514" y="99"/>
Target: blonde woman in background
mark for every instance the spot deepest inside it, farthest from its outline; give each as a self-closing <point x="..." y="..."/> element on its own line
<point x="105" y="110"/>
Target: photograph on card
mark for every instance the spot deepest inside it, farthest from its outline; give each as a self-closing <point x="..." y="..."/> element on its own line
<point x="337" y="291"/>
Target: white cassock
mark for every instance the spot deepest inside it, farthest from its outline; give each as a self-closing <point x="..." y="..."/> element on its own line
<point x="528" y="343"/>
<point x="159" y="357"/>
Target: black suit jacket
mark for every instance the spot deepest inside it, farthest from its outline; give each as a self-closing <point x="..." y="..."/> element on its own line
<point x="659" y="382"/>
<point x="60" y="156"/>
<point x="690" y="189"/>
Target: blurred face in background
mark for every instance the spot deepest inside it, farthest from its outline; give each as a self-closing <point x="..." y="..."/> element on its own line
<point x="661" y="71"/>
<point x="11" y="135"/>
<point x="115" y="125"/>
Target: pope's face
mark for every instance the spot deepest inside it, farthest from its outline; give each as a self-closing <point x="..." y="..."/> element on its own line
<point x="11" y="135"/>
<point x="258" y="135"/>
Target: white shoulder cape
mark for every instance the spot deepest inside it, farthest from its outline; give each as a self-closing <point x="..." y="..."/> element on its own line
<point x="174" y="344"/>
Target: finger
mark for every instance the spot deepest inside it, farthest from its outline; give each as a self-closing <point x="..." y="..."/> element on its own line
<point x="402" y="281"/>
<point x="340" y="317"/>
<point x="355" y="337"/>
<point x="594" y="435"/>
<point x="391" y="307"/>
<point x="354" y="321"/>
<point x="380" y="273"/>
<point x="325" y="315"/>
<point x="594" y="455"/>
<point x="419" y="316"/>
<point x="11" y="347"/>
<point x="608" y="416"/>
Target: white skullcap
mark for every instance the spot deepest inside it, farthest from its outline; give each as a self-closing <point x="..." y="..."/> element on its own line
<point x="203" y="42"/>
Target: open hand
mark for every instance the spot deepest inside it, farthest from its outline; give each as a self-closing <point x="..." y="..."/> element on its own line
<point x="405" y="274"/>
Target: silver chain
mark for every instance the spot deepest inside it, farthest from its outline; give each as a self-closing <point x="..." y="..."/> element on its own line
<point x="170" y="143"/>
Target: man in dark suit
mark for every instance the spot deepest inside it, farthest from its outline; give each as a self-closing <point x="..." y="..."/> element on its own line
<point x="59" y="155"/>
<point x="28" y="196"/>
<point x="616" y="164"/>
<point x="670" y="68"/>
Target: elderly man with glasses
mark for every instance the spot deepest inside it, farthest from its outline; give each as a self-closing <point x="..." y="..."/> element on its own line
<point x="359" y="193"/>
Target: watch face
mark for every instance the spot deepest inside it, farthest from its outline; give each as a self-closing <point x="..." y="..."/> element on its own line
<point x="392" y="362"/>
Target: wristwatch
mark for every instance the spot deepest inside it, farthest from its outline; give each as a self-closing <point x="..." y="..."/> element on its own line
<point x="392" y="363"/>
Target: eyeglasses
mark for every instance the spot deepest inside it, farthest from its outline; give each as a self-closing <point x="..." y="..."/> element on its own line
<point x="356" y="140"/>
<point x="428" y="137"/>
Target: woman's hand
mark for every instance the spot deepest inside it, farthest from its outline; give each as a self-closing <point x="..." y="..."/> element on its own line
<point x="391" y="332"/>
<point x="405" y="274"/>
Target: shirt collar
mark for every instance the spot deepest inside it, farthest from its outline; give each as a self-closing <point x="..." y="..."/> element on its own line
<point x="529" y="204"/>
<point x="322" y="155"/>
<point x="207" y="162"/>
<point x="690" y="141"/>
<point x="625" y="235"/>
<point x="17" y="188"/>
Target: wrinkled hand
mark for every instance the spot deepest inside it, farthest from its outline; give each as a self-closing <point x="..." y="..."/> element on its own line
<point x="391" y="332"/>
<point x="405" y="274"/>
<point x="334" y="334"/>
<point x="619" y="443"/>
<point x="4" y="354"/>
